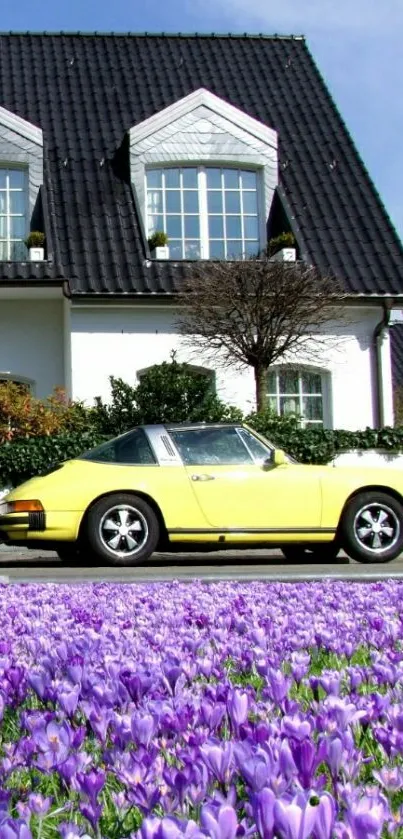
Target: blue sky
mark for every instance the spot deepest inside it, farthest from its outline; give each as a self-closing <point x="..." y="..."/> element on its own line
<point x="356" y="43"/>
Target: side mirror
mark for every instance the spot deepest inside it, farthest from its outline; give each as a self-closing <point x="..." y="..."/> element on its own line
<point x="277" y="458"/>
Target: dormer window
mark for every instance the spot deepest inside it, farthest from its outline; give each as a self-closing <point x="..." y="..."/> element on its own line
<point x="13" y="214"/>
<point x="207" y="212"/>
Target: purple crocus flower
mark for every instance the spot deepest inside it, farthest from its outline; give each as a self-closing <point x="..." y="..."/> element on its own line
<point x="295" y="818"/>
<point x="325" y="817"/>
<point x="143" y="728"/>
<point x="221" y="823"/>
<point x="237" y="707"/>
<point x="366" y="816"/>
<point x="263" y="812"/>
<point x="13" y="828"/>
<point x="218" y="759"/>
<point x="91" y="783"/>
<point x="38" y="804"/>
<point x="390" y="778"/>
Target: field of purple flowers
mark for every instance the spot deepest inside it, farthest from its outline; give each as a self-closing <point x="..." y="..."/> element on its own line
<point x="193" y="710"/>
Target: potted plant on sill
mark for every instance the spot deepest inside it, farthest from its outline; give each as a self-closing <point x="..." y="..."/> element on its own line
<point x="282" y="248"/>
<point x="35" y="243"/>
<point x="158" y="244"/>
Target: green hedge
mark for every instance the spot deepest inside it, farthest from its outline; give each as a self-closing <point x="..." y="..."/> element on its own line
<point x="34" y="456"/>
<point x="24" y="459"/>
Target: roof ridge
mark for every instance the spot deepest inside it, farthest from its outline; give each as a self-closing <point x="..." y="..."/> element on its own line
<point x="91" y="34"/>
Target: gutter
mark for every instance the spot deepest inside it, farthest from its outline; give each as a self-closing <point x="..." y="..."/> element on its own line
<point x="381" y="328"/>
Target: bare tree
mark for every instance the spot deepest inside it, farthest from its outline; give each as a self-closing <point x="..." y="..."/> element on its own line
<point x="255" y="312"/>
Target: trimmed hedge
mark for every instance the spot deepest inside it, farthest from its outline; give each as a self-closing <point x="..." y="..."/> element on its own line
<point x="35" y="455"/>
<point x="23" y="459"/>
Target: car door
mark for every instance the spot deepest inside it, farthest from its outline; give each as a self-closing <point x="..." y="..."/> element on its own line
<point x="236" y="491"/>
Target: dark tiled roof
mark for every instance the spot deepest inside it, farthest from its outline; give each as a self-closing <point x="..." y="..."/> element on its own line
<point x="396" y="346"/>
<point x="86" y="91"/>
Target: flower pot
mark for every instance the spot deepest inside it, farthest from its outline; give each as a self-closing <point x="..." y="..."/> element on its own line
<point x="285" y="255"/>
<point x="161" y="252"/>
<point x="37" y="254"/>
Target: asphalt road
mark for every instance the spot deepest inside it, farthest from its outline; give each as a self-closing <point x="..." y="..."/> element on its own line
<point x="23" y="566"/>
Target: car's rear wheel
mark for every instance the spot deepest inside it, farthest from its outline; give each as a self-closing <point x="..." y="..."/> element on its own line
<point x="326" y="551"/>
<point x="122" y="529"/>
<point x="371" y="529"/>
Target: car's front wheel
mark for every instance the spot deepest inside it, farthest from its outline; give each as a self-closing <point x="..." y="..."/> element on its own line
<point x="325" y="551"/>
<point x="371" y="528"/>
<point x="122" y="529"/>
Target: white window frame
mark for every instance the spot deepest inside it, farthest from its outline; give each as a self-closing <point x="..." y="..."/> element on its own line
<point x="8" y="240"/>
<point x="203" y="215"/>
<point x="325" y="376"/>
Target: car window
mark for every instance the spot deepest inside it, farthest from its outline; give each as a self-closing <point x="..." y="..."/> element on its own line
<point x="208" y="446"/>
<point x="256" y="448"/>
<point x="131" y="448"/>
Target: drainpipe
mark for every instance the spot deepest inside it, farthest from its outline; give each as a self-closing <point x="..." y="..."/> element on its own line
<point x="379" y="332"/>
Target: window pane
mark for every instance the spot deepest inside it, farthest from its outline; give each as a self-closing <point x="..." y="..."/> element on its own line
<point x="232" y="202"/>
<point x="192" y="250"/>
<point x="17" y="202"/>
<point x="234" y="250"/>
<point x="312" y="407"/>
<point x="3" y="178"/>
<point x="155" y="223"/>
<point x="18" y="251"/>
<point x="132" y="448"/>
<point x="211" y="446"/>
<point x="217" y="250"/>
<point x="3" y="202"/>
<point x="192" y="227"/>
<point x="250" y="227"/>
<point x="214" y="202"/>
<point x="311" y="383"/>
<point x="154" y="178"/>
<point x="214" y="178"/>
<point x="251" y="249"/>
<point x="273" y="404"/>
<point x="17" y="225"/>
<point x="173" y="201"/>
<point x="3" y="250"/>
<point x="16" y="178"/>
<point x="248" y="180"/>
<point x="189" y="178"/>
<point x="233" y="227"/>
<point x="231" y="179"/>
<point x="191" y="201"/>
<point x="154" y="200"/>
<point x="259" y="451"/>
<point x="249" y="202"/>
<point x="175" y="249"/>
<point x="174" y="227"/>
<point x="3" y="227"/>
<point x="272" y="383"/>
<point x="215" y="227"/>
<point x="289" y="405"/>
<point x="172" y="179"/>
<point x="288" y="381"/>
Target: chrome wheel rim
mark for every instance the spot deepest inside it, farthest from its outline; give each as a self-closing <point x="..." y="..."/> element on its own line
<point x="376" y="528"/>
<point x="123" y="530"/>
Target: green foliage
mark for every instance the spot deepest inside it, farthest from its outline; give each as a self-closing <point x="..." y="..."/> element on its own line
<point x="158" y="240"/>
<point x="35" y="239"/>
<point x="34" y="456"/>
<point x="284" y="240"/>
<point x="320" y="445"/>
<point x="167" y="392"/>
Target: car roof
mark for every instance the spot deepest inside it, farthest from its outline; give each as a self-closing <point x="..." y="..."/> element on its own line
<point x="188" y="426"/>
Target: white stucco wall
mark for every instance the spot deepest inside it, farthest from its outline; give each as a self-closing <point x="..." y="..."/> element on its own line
<point x="112" y="340"/>
<point x="31" y="342"/>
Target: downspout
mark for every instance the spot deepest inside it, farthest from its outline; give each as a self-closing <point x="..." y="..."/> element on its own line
<point x="379" y="332"/>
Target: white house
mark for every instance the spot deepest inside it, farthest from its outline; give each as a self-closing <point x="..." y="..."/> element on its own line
<point x="220" y="141"/>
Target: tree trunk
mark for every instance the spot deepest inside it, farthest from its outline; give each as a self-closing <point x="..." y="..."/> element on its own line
<point x="261" y="388"/>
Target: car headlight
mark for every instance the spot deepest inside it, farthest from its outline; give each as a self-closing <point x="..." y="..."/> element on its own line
<point x="30" y="506"/>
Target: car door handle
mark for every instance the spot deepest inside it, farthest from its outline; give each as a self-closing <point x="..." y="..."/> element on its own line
<point x="203" y="477"/>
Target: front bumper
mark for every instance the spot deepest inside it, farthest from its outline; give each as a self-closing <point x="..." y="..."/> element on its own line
<point x="35" y="521"/>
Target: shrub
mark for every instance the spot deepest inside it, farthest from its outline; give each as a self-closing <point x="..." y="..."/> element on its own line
<point x="23" y="459"/>
<point x="284" y="240"/>
<point x="158" y="240"/>
<point x="21" y="415"/>
<point x="35" y="239"/>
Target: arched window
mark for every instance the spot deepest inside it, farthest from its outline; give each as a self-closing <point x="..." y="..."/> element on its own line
<point x="192" y="368"/>
<point x="207" y="212"/>
<point x="22" y="381"/>
<point x="300" y="390"/>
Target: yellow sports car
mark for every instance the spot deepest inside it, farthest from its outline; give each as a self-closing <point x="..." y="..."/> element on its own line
<point x="204" y="486"/>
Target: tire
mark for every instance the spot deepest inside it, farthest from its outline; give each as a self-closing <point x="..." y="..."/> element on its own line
<point x="371" y="529"/>
<point x="122" y="529"/>
<point x="327" y="551"/>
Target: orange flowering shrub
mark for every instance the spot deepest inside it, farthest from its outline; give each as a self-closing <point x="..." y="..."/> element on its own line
<point x="22" y="415"/>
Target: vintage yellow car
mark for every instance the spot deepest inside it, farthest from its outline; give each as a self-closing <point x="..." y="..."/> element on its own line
<point x="204" y="486"/>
